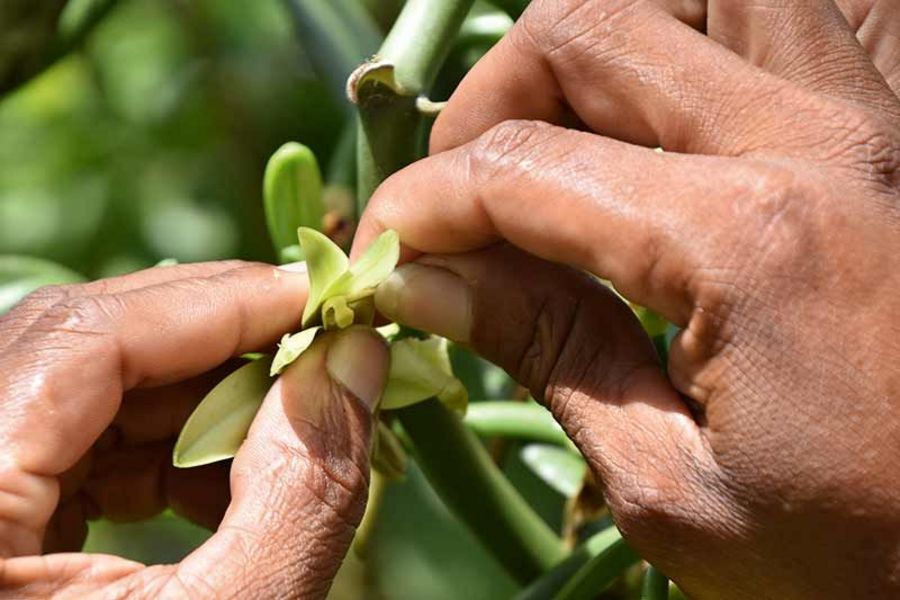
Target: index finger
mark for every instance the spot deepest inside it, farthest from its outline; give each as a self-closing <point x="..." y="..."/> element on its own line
<point x="71" y="366"/>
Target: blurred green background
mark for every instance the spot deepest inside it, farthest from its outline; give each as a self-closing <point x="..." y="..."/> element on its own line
<point x="148" y="141"/>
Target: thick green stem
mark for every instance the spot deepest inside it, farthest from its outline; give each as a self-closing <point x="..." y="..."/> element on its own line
<point x="386" y="89"/>
<point x="586" y="571"/>
<point x="656" y="585"/>
<point x="516" y="420"/>
<point x="472" y="486"/>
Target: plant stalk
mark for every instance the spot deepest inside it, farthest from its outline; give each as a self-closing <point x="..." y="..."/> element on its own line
<point x="472" y="486"/>
<point x="386" y="89"/>
<point x="590" y="567"/>
<point x="504" y="418"/>
<point x="656" y="585"/>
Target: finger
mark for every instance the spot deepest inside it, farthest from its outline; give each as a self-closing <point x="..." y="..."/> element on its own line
<point x="201" y="494"/>
<point x="299" y="483"/>
<point x="580" y="350"/>
<point x="877" y="27"/>
<point x="77" y="575"/>
<point x="642" y="219"/>
<point x="611" y="61"/>
<point x="806" y="41"/>
<point x="157" y="414"/>
<point x="25" y="313"/>
<point x="67" y="374"/>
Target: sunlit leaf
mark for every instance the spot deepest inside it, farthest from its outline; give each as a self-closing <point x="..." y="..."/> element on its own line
<point x="420" y="369"/>
<point x="376" y="263"/>
<point x="291" y="347"/>
<point x="219" y="424"/>
<point x="325" y="263"/>
<point x="561" y="469"/>
<point x="292" y="193"/>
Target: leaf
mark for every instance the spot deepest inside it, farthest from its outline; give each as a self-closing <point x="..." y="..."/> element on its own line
<point x="420" y="369"/>
<point x="325" y="262"/>
<point x="376" y="264"/>
<point x="561" y="469"/>
<point x="21" y="275"/>
<point x="292" y="193"/>
<point x="291" y="347"/>
<point x="218" y="426"/>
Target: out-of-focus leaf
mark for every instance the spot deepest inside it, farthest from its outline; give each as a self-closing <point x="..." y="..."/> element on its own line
<point x="325" y="263"/>
<point x="21" y="275"/>
<point x="420" y="369"/>
<point x="598" y="561"/>
<point x="35" y="34"/>
<point x="561" y="469"/>
<point x="292" y="194"/>
<point x="291" y="347"/>
<point x="337" y="35"/>
<point x="27" y="38"/>
<point x="218" y="426"/>
<point x="291" y="254"/>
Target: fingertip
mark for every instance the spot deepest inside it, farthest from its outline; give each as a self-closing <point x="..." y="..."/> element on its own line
<point x="358" y="360"/>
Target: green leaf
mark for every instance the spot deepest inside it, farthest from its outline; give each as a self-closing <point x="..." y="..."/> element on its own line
<point x="218" y="426"/>
<point x="325" y="262"/>
<point x="291" y="347"/>
<point x="561" y="469"/>
<point x="375" y="265"/>
<point x="420" y="369"/>
<point x="292" y="193"/>
<point x="21" y="275"/>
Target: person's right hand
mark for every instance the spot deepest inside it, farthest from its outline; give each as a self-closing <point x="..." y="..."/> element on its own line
<point x="767" y="463"/>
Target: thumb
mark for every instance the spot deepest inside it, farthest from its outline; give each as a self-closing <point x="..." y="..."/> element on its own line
<point x="579" y="349"/>
<point x="299" y="483"/>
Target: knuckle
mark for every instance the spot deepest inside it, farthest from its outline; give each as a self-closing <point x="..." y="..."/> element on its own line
<point x="43" y="298"/>
<point x="537" y="365"/>
<point x="864" y="141"/>
<point x="510" y="146"/>
<point x="560" y="28"/>
<point x="778" y="223"/>
<point x="82" y="314"/>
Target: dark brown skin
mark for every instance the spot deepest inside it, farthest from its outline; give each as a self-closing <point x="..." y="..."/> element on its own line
<point x="766" y="463"/>
<point x="96" y="380"/>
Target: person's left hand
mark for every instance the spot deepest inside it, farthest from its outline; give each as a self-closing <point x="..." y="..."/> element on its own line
<point x="96" y="381"/>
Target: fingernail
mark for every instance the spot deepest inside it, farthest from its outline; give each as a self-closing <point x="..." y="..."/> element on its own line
<point x="358" y="360"/>
<point x="427" y="298"/>
<point x="294" y="267"/>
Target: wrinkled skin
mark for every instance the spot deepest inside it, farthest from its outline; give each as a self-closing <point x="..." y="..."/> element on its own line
<point x="764" y="464"/>
<point x="96" y="381"/>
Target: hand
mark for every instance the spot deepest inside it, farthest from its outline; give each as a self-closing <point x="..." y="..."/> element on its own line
<point x="97" y="381"/>
<point x="766" y="464"/>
